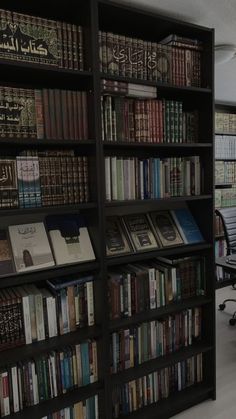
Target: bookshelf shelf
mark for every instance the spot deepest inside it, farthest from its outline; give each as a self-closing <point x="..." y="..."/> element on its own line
<point x="12" y="355"/>
<point x="162" y="87"/>
<point x="124" y="145"/>
<point x="147" y="202"/>
<point x="54" y="209"/>
<point x="35" y="143"/>
<point x="180" y="250"/>
<point x="158" y="313"/>
<point x="59" y="271"/>
<point x="58" y="403"/>
<point x="159" y="363"/>
<point x="175" y="403"/>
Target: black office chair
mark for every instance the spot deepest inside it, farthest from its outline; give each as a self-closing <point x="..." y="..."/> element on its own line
<point x="228" y="218"/>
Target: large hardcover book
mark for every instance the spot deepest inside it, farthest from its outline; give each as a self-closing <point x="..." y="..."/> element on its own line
<point x="70" y="238"/>
<point x="116" y="241"/>
<point x="8" y="183"/>
<point x="187" y="226"/>
<point x="30" y="247"/>
<point x="165" y="228"/>
<point x="6" y="259"/>
<point x="140" y="232"/>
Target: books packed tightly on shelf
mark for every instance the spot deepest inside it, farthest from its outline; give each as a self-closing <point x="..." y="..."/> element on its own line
<point x="29" y="247"/>
<point x="157" y="385"/>
<point x="150" y="178"/>
<point x="41" y="41"/>
<point x="140" y="232"/>
<point x="43" y="114"/>
<point x="133" y="346"/>
<point x="147" y="120"/>
<point x="175" y="59"/>
<point x="225" y="122"/>
<point x="139" y="287"/>
<point x="86" y="409"/>
<point x="225" y="172"/>
<point x="225" y="197"/>
<point x="225" y="147"/>
<point x="31" y="382"/>
<point x="31" y="314"/>
<point x="43" y="178"/>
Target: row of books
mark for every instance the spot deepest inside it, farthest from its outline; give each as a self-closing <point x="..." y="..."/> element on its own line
<point x="218" y="226"/>
<point x="139" y="232"/>
<point x="225" y="197"/>
<point x="149" y="120"/>
<point x="36" y="40"/>
<point x="46" y="113"/>
<point x="157" y="385"/>
<point x="128" y="89"/>
<point x="225" y="122"/>
<point x="86" y="409"/>
<point x="136" y="288"/>
<point x="225" y="147"/>
<point x="34" y="180"/>
<point x="131" y="347"/>
<point x="30" y="314"/>
<point x="150" y="178"/>
<point x="30" y="249"/>
<point x="225" y="172"/>
<point x="174" y="59"/>
<point x="31" y="382"/>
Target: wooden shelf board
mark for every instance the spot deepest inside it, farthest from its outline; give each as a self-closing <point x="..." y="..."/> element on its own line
<point x="144" y="202"/>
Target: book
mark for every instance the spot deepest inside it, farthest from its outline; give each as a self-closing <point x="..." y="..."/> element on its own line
<point x="116" y="241"/>
<point x="165" y="228"/>
<point x="70" y="238"/>
<point x="30" y="247"/>
<point x="6" y="258"/>
<point x="140" y="232"/>
<point x="187" y="226"/>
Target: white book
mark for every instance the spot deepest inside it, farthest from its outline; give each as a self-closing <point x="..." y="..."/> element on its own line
<point x="114" y="178"/>
<point x="108" y="177"/>
<point x="90" y="303"/>
<point x="15" y="390"/>
<point x="70" y="239"/>
<point x="30" y="247"/>
<point x="96" y="407"/>
<point x="35" y="385"/>
<point x="26" y="314"/>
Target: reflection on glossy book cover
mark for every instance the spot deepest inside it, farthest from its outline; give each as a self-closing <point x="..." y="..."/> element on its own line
<point x="30" y="247"/>
<point x="70" y="238"/>
<point x="140" y="232"/>
<point x="116" y="242"/>
<point x="165" y="228"/>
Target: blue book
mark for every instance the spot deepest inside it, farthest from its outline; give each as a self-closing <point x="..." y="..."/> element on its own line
<point x="187" y="226"/>
<point x="84" y="347"/>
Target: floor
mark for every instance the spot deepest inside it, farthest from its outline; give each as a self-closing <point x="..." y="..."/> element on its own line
<point x="225" y="405"/>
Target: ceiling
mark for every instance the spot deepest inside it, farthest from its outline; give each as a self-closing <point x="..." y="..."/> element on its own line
<point x="217" y="14"/>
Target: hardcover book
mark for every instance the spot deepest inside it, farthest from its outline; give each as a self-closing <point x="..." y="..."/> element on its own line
<point x="116" y="242"/>
<point x="6" y="259"/>
<point x="30" y="247"/>
<point x="165" y="228"/>
<point x="8" y="183"/>
<point x="70" y="238"/>
<point x="140" y="232"/>
<point x="187" y="226"/>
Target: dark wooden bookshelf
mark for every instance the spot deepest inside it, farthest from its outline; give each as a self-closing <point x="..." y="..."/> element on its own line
<point x="95" y="15"/>
<point x="159" y="363"/>
<point x="158" y="313"/>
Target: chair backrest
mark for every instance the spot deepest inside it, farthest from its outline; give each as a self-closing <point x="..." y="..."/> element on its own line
<point x="228" y="217"/>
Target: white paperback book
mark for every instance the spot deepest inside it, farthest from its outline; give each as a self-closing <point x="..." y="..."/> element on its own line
<point x="30" y="247"/>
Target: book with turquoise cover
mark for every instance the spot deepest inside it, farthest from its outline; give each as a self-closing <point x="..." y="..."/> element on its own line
<point x="84" y="347"/>
<point x="187" y="226"/>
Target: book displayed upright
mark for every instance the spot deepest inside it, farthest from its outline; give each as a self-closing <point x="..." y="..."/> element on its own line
<point x="30" y="247"/>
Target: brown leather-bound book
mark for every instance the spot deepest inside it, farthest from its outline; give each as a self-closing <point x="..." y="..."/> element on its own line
<point x="79" y="115"/>
<point x="46" y="114"/>
<point x="65" y="115"/>
<point x="64" y="45"/>
<point x="52" y="114"/>
<point x="39" y="113"/>
<point x="75" y="115"/>
<point x="69" y="45"/>
<point x="70" y="115"/>
<point x="85" y="115"/>
<point x="58" y="113"/>
<point x="75" y="48"/>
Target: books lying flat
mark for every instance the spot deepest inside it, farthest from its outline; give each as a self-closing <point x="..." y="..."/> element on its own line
<point x="187" y="226"/>
<point x="30" y="247"/>
<point x="116" y="242"/>
<point x="70" y="239"/>
<point x="140" y="232"/>
<point x="165" y="228"/>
